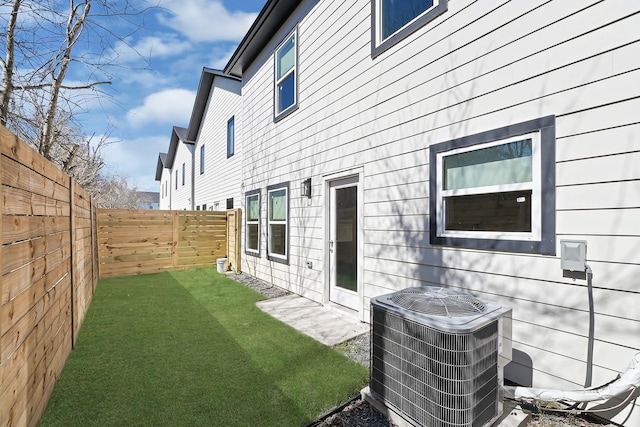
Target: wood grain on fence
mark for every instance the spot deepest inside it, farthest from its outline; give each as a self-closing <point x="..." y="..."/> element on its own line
<point x="147" y="241"/>
<point x="48" y="277"/>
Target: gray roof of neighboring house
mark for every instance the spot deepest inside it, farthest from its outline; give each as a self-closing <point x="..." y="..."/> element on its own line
<point x="202" y="96"/>
<point x="178" y="134"/>
<point x="162" y="161"/>
<point x="271" y="17"/>
<point x="153" y="196"/>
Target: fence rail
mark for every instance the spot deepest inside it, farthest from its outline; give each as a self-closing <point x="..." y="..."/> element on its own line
<point x="49" y="273"/>
<point x="144" y="241"/>
<point x="55" y="246"/>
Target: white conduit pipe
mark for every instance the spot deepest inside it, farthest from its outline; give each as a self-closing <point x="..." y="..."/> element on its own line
<point x="627" y="382"/>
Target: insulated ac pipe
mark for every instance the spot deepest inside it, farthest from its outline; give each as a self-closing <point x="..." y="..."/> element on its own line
<point x="628" y="381"/>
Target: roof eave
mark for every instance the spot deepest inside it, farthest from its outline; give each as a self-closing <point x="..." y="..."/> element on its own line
<point x="270" y="19"/>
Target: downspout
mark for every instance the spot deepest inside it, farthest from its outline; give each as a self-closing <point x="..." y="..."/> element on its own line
<point x="193" y="177"/>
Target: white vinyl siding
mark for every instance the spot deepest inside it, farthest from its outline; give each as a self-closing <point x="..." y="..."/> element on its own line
<point x="485" y="65"/>
<point x="222" y="179"/>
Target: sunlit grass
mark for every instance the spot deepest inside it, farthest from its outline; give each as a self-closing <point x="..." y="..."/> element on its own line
<point x="191" y="348"/>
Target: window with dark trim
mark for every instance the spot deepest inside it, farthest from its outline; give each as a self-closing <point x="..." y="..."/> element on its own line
<point x="394" y="20"/>
<point x="201" y="159"/>
<point x="176" y="180"/>
<point x="286" y="76"/>
<point x="184" y="173"/>
<point x="252" y="223"/>
<point x="496" y="189"/>
<point x="230" y="203"/>
<point x="230" y="137"/>
<point x="278" y="222"/>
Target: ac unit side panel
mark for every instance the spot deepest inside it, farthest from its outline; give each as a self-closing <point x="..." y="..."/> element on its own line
<point x="434" y="378"/>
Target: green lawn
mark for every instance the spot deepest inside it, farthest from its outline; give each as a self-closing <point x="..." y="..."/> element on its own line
<point x="190" y="348"/>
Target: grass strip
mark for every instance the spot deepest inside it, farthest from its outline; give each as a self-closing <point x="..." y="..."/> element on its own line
<point x="191" y="348"/>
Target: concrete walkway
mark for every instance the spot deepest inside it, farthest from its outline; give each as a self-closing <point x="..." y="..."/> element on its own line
<point x="330" y="326"/>
<point x="324" y="324"/>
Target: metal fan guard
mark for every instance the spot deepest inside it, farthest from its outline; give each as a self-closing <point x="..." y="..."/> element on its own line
<point x="438" y="301"/>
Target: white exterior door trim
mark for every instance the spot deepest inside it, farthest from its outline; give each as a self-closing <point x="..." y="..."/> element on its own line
<point x="358" y="175"/>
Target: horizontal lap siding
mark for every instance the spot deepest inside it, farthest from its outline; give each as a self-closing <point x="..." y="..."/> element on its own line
<point x="181" y="196"/>
<point x="222" y="177"/>
<point x="46" y="285"/>
<point x="480" y="66"/>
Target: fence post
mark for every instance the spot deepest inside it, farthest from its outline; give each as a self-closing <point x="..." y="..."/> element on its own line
<point x="72" y="259"/>
<point x="2" y="142"/>
<point x="174" y="243"/>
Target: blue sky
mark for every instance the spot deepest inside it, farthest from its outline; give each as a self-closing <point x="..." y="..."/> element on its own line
<point x="148" y="99"/>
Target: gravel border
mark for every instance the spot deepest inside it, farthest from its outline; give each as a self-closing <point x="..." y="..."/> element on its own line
<point x="359" y="413"/>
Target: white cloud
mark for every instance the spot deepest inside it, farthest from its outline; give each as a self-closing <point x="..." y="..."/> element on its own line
<point x="207" y="20"/>
<point x="219" y="59"/>
<point x="136" y="159"/>
<point x="151" y="47"/>
<point x="171" y="106"/>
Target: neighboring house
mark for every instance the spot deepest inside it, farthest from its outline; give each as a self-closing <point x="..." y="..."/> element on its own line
<point x="456" y="145"/>
<point x="215" y="122"/>
<point x="179" y="162"/>
<point x="150" y="200"/>
<point x="163" y="174"/>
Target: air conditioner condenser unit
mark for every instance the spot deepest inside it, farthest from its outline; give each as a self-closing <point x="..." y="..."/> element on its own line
<point x="438" y="354"/>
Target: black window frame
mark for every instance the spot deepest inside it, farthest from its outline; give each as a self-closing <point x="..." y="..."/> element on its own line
<point x="547" y="242"/>
<point x="201" y="159"/>
<point x="379" y="45"/>
<point x="283" y="259"/>
<point x="279" y="115"/>
<point x="231" y="136"/>
<point x="248" y="194"/>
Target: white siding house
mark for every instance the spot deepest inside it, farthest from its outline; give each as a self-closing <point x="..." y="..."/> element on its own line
<point x="179" y="161"/>
<point x="459" y="149"/>
<point x="163" y="175"/>
<point x="215" y="126"/>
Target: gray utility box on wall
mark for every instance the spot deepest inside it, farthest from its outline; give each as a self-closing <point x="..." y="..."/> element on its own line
<point x="438" y="354"/>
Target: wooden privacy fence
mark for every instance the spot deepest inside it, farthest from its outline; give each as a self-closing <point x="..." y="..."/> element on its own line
<point x="146" y="241"/>
<point x="49" y="274"/>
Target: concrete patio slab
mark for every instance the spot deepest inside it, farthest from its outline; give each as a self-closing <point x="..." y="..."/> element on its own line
<point x="324" y="324"/>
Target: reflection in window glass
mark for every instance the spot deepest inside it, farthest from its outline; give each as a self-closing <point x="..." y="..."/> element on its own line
<point x="398" y="13"/>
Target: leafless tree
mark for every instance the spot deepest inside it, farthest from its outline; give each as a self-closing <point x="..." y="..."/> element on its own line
<point x="44" y="41"/>
<point x="115" y="192"/>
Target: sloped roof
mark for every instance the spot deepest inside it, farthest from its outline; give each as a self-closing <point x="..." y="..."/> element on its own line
<point x="202" y="97"/>
<point x="162" y="161"/>
<point x="272" y="16"/>
<point x="178" y="135"/>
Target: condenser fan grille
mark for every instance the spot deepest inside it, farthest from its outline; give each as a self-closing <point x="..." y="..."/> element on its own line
<point x="436" y="301"/>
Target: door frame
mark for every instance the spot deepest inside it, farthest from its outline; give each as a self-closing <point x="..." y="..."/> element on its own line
<point x="358" y="175"/>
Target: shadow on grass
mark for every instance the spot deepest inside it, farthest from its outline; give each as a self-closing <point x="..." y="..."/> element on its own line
<point x="191" y="348"/>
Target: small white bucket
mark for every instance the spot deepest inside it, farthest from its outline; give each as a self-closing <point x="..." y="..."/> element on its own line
<point x="221" y="264"/>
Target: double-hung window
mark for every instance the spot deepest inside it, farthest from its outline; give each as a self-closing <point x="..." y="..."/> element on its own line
<point x="201" y="159"/>
<point x="286" y="76"/>
<point x="252" y="225"/>
<point x="278" y="222"/>
<point x="496" y="190"/>
<point x="393" y="20"/>
<point x="230" y="137"/>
